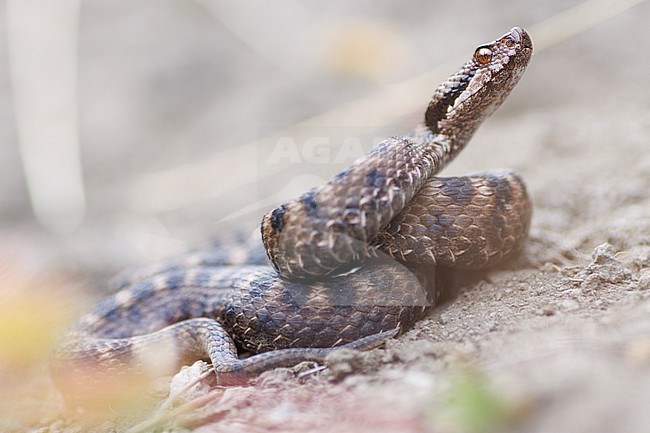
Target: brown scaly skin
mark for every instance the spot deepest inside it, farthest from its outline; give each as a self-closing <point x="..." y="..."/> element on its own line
<point x="200" y="313"/>
<point x="470" y="222"/>
<point x="386" y="206"/>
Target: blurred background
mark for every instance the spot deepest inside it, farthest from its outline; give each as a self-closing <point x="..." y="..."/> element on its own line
<point x="132" y="131"/>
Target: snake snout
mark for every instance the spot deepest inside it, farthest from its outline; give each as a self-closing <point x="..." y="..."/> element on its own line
<point x="516" y="33"/>
<point x="519" y="36"/>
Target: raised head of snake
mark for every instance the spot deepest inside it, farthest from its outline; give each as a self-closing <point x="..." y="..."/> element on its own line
<point x="465" y="99"/>
<point x="326" y="229"/>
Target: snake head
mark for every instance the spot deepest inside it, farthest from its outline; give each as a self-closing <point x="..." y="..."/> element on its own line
<point x="479" y="87"/>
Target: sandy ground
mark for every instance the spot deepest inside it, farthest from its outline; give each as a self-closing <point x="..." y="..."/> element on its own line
<point x="557" y="339"/>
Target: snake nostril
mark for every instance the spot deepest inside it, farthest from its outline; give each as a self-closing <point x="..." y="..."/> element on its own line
<point x="516" y="33"/>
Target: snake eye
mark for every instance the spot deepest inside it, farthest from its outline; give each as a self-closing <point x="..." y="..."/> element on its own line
<point x="483" y="55"/>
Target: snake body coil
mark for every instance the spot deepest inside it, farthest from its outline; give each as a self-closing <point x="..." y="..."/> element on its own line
<point x="352" y="261"/>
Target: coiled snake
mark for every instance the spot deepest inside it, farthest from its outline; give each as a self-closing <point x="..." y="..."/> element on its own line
<point x="352" y="260"/>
